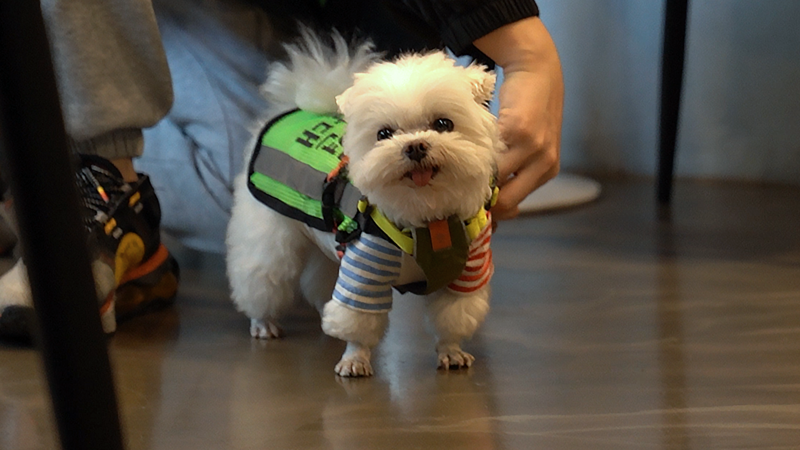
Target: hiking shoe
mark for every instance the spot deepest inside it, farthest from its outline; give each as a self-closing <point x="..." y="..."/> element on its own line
<point x="133" y="271"/>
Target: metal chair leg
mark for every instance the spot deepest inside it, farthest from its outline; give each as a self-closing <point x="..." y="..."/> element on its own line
<point x="672" y="60"/>
<point x="40" y="172"/>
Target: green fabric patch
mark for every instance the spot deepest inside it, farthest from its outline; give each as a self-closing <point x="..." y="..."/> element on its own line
<point x="443" y="266"/>
<point x="310" y="138"/>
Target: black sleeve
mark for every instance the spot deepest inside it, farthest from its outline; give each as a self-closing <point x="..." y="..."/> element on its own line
<point x="460" y="22"/>
<point x="399" y="26"/>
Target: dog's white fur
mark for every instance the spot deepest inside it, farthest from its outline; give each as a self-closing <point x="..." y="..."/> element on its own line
<point x="268" y="253"/>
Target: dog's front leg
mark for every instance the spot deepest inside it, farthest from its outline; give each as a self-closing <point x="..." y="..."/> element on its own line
<point x="362" y="298"/>
<point x="355" y="361"/>
<point x="361" y="330"/>
<point x="459" y="309"/>
<point x="455" y="317"/>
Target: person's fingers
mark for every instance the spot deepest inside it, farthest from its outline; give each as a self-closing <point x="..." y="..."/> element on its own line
<point x="523" y="183"/>
<point x="500" y="213"/>
<point x="531" y="107"/>
<point x="509" y="162"/>
<point x="533" y="174"/>
<point x="532" y="138"/>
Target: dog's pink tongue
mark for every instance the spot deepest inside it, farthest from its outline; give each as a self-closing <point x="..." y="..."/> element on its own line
<point x="422" y="177"/>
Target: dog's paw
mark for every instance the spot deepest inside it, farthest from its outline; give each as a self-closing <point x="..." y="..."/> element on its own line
<point x="454" y="358"/>
<point x="264" y="329"/>
<point x="353" y="366"/>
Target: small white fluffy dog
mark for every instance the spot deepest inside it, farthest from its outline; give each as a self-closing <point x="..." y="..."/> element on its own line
<point x="421" y="145"/>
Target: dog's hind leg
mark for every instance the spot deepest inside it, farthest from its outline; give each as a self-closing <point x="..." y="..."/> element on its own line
<point x="266" y="254"/>
<point x="319" y="278"/>
<point x="456" y="317"/>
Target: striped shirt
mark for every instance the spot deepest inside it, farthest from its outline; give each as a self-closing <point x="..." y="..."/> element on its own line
<point x="479" y="267"/>
<point x="371" y="266"/>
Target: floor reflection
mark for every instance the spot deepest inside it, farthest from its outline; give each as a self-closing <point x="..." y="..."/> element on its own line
<point x="609" y="329"/>
<point x="26" y="421"/>
<point x="670" y="335"/>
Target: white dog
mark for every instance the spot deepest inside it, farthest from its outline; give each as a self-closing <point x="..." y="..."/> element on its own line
<point x="421" y="145"/>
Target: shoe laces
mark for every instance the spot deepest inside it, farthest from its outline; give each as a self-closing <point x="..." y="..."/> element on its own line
<point x="100" y="191"/>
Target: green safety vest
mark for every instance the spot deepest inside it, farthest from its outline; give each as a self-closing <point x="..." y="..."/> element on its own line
<point x="289" y="172"/>
<point x="289" y="168"/>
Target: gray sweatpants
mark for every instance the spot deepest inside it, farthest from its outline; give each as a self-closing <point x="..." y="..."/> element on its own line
<point x="111" y="70"/>
<point x="113" y="61"/>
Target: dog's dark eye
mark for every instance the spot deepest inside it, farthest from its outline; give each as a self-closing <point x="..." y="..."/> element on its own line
<point x="385" y="133"/>
<point x="443" y="125"/>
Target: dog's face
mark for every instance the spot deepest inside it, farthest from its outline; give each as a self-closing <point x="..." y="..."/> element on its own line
<point x="420" y="140"/>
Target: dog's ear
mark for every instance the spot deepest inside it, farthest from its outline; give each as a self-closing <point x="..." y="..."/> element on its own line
<point x="483" y="81"/>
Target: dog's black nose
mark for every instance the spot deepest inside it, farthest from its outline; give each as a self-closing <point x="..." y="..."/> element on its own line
<point x="416" y="151"/>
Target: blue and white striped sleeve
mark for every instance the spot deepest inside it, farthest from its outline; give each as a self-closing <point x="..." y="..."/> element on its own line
<point x="369" y="268"/>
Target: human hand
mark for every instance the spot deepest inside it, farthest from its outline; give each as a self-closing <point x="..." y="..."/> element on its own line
<point x="531" y="108"/>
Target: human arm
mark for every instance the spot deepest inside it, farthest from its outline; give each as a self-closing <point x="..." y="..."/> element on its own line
<point x="531" y="98"/>
<point x="531" y="108"/>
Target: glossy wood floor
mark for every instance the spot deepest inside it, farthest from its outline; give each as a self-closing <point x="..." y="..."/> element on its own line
<point x="610" y="330"/>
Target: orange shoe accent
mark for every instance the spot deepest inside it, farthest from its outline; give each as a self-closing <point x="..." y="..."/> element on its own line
<point x="110" y="225"/>
<point x="107" y="303"/>
<point x="134" y="198"/>
<point x="148" y="266"/>
<point x="133" y="300"/>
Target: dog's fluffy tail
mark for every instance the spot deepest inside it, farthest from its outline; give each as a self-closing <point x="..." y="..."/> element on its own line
<point x="315" y="72"/>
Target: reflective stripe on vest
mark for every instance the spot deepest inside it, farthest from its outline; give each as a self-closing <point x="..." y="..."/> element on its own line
<point x="293" y="156"/>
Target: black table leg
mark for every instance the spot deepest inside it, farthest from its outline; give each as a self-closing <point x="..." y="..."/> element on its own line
<point x="41" y="176"/>
<point x="672" y="60"/>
